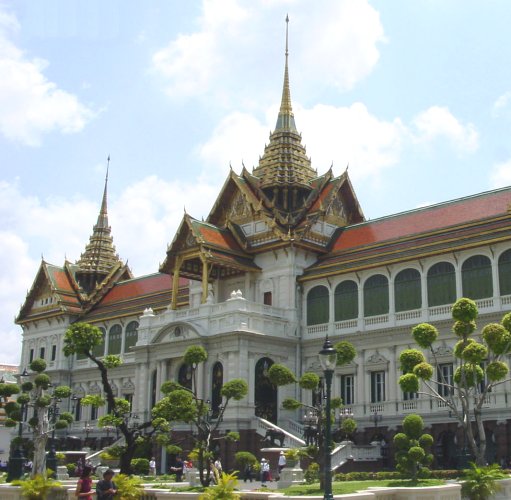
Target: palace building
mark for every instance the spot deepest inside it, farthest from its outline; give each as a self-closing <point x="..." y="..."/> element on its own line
<point x="284" y="258"/>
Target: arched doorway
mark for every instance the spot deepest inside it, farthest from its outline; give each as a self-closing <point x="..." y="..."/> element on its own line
<point x="184" y="377"/>
<point x="265" y="392"/>
<point x="216" y="388"/>
<point x="446" y="450"/>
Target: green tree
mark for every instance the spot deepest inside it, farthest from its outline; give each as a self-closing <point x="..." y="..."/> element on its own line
<point x="82" y="338"/>
<point x="181" y="404"/>
<point x="280" y="375"/>
<point x="36" y="393"/>
<point x="413" y="455"/>
<point x="482" y="366"/>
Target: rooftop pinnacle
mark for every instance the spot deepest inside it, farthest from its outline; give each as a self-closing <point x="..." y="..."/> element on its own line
<point x="99" y="256"/>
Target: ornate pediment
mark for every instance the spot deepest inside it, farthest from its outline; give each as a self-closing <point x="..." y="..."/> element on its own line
<point x="94" y="388"/>
<point x="376" y="359"/>
<point x="128" y="386"/>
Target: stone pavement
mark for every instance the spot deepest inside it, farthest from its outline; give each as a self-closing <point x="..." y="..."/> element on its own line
<point x="256" y="485"/>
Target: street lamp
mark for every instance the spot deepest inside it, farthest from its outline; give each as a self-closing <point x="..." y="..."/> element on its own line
<point x="16" y="458"/>
<point x="328" y="360"/>
<point x="376" y="417"/>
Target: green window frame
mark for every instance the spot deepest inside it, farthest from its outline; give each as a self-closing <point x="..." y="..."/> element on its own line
<point x="376" y="295"/>
<point x="131" y="336"/>
<point x="346" y="301"/>
<point x="505" y="272"/>
<point x="115" y="339"/>
<point x="318" y="308"/>
<point x="441" y="282"/>
<point x="476" y="277"/>
<point x="407" y="290"/>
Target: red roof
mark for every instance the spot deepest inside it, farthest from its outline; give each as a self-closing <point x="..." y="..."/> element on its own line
<point x="217" y="237"/>
<point x="146" y="285"/>
<point x="457" y="212"/>
<point x="59" y="278"/>
<point x="322" y="196"/>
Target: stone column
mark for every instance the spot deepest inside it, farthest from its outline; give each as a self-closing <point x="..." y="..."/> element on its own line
<point x="393" y="386"/>
<point x="360" y="393"/>
<point x="459" y="283"/>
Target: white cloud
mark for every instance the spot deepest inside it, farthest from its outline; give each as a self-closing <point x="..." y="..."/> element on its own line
<point x="501" y="175"/>
<point x="438" y="121"/>
<point x="331" y="134"/>
<point x="30" y="104"/>
<point x="336" y="39"/>
<point x="501" y="103"/>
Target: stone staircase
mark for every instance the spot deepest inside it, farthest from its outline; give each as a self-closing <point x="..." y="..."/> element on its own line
<point x="341" y="453"/>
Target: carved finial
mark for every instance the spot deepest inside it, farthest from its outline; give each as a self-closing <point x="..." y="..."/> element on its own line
<point x="347" y="166"/>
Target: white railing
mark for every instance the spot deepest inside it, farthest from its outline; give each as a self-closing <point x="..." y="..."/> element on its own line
<point x="295" y="427"/>
<point x="375" y="320"/>
<point x="405" y="315"/>
<point x="505" y="300"/>
<point x="344" y="325"/>
<point x="318" y="328"/>
<point x="484" y="303"/>
<point x="440" y="310"/>
<point x="264" y="425"/>
<point x="410" y="405"/>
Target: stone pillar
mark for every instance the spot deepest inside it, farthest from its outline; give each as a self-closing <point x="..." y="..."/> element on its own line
<point x="205" y="277"/>
<point x="360" y="306"/>
<point x="360" y="393"/>
<point x="459" y="283"/>
<point x="393" y="385"/>
<point x="424" y="295"/>
<point x="496" y="282"/>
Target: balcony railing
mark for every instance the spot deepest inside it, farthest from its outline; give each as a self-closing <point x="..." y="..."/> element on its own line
<point x="403" y="318"/>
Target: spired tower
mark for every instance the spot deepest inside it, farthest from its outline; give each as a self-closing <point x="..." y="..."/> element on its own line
<point x="284" y="170"/>
<point x="99" y="258"/>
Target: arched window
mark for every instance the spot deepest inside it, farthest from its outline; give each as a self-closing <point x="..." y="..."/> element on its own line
<point x="476" y="277"/>
<point x="505" y="273"/>
<point x="317" y="306"/>
<point x="184" y="376"/>
<point x="115" y="339"/>
<point x="407" y="290"/>
<point x="441" y="284"/>
<point x="99" y="350"/>
<point x="131" y="335"/>
<point x="216" y="388"/>
<point x="265" y="394"/>
<point x="346" y="301"/>
<point x="376" y="295"/>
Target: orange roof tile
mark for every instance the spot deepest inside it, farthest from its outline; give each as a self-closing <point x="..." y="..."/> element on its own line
<point x="424" y="220"/>
<point x="138" y="287"/>
<point x="217" y="237"/>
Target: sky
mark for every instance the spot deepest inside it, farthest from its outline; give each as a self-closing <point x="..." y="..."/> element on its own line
<point x="414" y="96"/>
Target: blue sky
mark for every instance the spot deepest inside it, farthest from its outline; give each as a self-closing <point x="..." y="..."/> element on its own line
<point x="414" y="96"/>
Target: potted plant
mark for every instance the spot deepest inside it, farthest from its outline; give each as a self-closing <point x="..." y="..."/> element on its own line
<point x="480" y="483"/>
<point x="292" y="456"/>
<point x="37" y="488"/>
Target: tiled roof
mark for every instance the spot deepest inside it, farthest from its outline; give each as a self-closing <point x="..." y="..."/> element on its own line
<point x="424" y="220"/>
<point x="215" y="236"/>
<point x="131" y="297"/>
<point x="137" y="287"/>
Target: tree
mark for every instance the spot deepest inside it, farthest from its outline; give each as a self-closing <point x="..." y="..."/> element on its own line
<point x="412" y="456"/>
<point x="36" y="393"/>
<point x="280" y="375"/>
<point x="181" y="404"/>
<point x="482" y="366"/>
<point x="82" y="338"/>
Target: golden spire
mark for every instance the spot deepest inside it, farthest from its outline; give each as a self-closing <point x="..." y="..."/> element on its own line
<point x="284" y="163"/>
<point x="286" y="120"/>
<point x="99" y="256"/>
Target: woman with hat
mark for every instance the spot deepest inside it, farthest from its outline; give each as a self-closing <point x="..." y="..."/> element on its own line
<point x="265" y="471"/>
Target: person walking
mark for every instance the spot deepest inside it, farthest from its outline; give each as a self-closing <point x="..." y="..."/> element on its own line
<point x="282" y="461"/>
<point x="106" y="488"/>
<point x="265" y="471"/>
<point x="152" y="466"/>
<point x="84" y="485"/>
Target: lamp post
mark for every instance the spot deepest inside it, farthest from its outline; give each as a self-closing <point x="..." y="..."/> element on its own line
<point x="376" y="417"/>
<point x="54" y="412"/>
<point x="17" y="459"/>
<point x="328" y="360"/>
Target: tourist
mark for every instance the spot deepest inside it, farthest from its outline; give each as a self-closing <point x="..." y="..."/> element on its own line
<point x="247" y="472"/>
<point x="218" y="466"/>
<point x="282" y="461"/>
<point x="152" y="466"/>
<point x="106" y="488"/>
<point x="265" y="471"/>
<point x="84" y="485"/>
<point x="178" y="469"/>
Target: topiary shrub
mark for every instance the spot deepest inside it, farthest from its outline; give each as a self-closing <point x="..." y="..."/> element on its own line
<point x="412" y="448"/>
<point x="140" y="466"/>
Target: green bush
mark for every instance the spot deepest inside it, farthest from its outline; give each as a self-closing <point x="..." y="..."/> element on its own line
<point x="311" y="474"/>
<point x="140" y="466"/>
